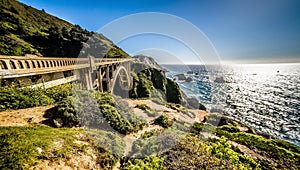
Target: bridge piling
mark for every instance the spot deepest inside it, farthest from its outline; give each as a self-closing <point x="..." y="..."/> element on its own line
<point x="100" y="80"/>
<point x="107" y="79"/>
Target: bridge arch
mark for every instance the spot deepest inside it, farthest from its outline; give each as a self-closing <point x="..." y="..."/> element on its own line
<point x="122" y="75"/>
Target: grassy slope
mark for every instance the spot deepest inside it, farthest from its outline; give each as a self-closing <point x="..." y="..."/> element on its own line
<point x="26" y="30"/>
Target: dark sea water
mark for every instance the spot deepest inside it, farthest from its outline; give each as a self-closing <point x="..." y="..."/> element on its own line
<point x="263" y="96"/>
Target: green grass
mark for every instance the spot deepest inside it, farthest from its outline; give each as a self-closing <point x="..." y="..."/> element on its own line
<point x="19" y="145"/>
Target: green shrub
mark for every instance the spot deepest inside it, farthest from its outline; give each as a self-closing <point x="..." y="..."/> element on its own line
<point x="109" y="141"/>
<point x="190" y="153"/>
<point x="223" y="150"/>
<point x="143" y="107"/>
<point x="229" y="128"/>
<point x="197" y="128"/>
<point x="150" y="133"/>
<point x="148" y="163"/>
<point x="59" y="92"/>
<point x="177" y="107"/>
<point x="23" y="98"/>
<point x="126" y="111"/>
<point x="67" y="112"/>
<point x="147" y="109"/>
<point x="163" y="121"/>
<point x="115" y="120"/>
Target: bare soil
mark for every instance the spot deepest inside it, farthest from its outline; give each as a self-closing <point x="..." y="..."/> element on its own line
<point x="23" y="117"/>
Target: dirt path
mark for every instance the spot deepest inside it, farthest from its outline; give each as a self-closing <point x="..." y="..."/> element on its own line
<point x="194" y="116"/>
<point x="23" y="117"/>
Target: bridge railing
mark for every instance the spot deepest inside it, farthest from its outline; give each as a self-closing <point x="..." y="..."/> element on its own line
<point x="20" y="66"/>
<point x="29" y="63"/>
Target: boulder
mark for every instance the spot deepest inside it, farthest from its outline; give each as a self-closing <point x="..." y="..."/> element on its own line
<point x="194" y="104"/>
<point x="180" y="76"/>
<point x="58" y="122"/>
<point x="189" y="79"/>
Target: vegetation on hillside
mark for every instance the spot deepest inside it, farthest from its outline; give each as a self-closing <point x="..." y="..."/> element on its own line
<point x="26" y="30"/>
<point x="19" y="98"/>
<point x="23" y="147"/>
<point x="96" y="110"/>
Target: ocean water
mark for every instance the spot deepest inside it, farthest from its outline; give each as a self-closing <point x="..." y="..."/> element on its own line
<point x="263" y="96"/>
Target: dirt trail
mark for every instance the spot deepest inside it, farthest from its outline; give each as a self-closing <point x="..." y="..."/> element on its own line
<point x="197" y="116"/>
<point x="23" y="117"/>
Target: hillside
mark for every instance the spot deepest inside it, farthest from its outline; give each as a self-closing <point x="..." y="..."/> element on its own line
<point x="26" y="30"/>
<point x="148" y="61"/>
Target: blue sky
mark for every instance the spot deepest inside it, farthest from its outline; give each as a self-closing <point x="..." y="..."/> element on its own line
<point x="242" y="31"/>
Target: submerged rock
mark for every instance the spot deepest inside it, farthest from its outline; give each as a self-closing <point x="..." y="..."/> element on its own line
<point x="219" y="80"/>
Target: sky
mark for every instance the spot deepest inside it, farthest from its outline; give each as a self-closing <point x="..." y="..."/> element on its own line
<point x="240" y="31"/>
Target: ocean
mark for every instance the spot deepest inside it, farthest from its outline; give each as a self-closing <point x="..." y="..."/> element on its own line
<point x="265" y="97"/>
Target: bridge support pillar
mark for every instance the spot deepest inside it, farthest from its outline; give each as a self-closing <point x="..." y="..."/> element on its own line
<point x="88" y="79"/>
<point x="108" y="79"/>
<point x="100" y="79"/>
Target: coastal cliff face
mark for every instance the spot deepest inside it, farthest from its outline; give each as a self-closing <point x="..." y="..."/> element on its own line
<point x="26" y="30"/>
<point x="152" y="83"/>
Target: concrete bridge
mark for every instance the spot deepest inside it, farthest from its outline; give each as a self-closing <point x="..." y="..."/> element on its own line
<point x="46" y="72"/>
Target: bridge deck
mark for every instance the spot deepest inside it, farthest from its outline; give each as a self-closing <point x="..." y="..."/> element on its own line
<point x="16" y="66"/>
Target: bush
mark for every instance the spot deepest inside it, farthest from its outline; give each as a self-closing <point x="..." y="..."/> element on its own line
<point x="191" y="154"/>
<point x="126" y="111"/>
<point x="163" y="121"/>
<point x="59" y="92"/>
<point x="143" y="107"/>
<point x="148" y="163"/>
<point x="223" y="150"/>
<point x="23" y="98"/>
<point x="147" y="109"/>
<point x="115" y="120"/>
<point x="229" y="128"/>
